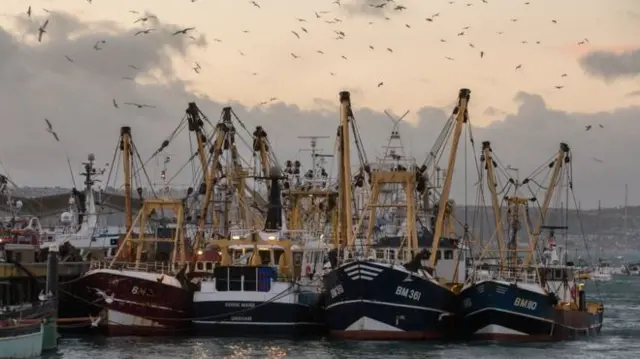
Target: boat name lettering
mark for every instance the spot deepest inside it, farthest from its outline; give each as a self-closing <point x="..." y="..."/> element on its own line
<point x="525" y="303"/>
<point x="336" y="291"/>
<point x="241" y="319"/>
<point x="135" y="290"/>
<point x="239" y="305"/>
<point x="408" y="293"/>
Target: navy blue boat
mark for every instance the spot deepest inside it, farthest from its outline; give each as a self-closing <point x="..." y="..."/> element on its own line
<point x="372" y="300"/>
<point x="508" y="311"/>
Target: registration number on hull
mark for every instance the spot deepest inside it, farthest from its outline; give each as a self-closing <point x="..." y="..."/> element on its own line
<point x="408" y="293"/>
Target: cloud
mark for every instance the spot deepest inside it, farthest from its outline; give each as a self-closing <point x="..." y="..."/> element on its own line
<point x="610" y="66"/>
<point x="369" y="7"/>
<point x="38" y="82"/>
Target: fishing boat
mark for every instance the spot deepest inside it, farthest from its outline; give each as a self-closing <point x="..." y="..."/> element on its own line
<point x="376" y="293"/>
<point x="143" y="289"/>
<point x="603" y="272"/>
<point x="518" y="299"/>
<point x="260" y="286"/>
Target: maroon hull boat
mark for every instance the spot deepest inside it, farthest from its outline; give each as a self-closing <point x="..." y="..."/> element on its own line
<point x="138" y="303"/>
<point x="142" y="298"/>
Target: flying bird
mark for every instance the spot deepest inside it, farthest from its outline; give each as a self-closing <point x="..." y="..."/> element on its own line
<point x="597" y="159"/>
<point x="295" y="33"/>
<point x="96" y="47"/>
<point x="518" y="67"/>
<point x="559" y="87"/>
<point x="294" y="56"/>
<point x="145" y="18"/>
<point x="138" y="105"/>
<point x="197" y="68"/>
<point x="134" y="67"/>
<point x="255" y="4"/>
<point x="29" y="11"/>
<point x="587" y="127"/>
<point x="128" y="78"/>
<point x="68" y="58"/>
<point x="380" y="84"/>
<point x="183" y="31"/>
<point x="51" y="131"/>
<point x="144" y="32"/>
<point x="42" y="30"/>
<point x="481" y="54"/>
<point x="115" y="104"/>
<point x="320" y="52"/>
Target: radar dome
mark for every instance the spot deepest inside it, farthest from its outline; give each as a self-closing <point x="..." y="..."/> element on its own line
<point x="66" y="218"/>
<point x="275" y="171"/>
<point x="18" y="204"/>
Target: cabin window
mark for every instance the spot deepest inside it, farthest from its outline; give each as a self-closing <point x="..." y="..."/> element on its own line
<point x="18" y="256"/>
<point x="448" y="254"/>
<point x="265" y="257"/>
<point x="380" y="253"/>
<point x="438" y="255"/>
<point x="276" y="256"/>
<point x="557" y="274"/>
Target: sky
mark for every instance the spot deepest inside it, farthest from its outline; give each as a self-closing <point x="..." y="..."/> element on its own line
<point x="245" y="57"/>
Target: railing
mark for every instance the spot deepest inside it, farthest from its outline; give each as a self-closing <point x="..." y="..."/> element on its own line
<point x="303" y="236"/>
<point x="529" y="275"/>
<point x="155" y="267"/>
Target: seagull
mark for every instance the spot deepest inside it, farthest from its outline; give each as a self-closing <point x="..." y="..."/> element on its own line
<point x="95" y="321"/>
<point x="183" y="31"/>
<point x="599" y="125"/>
<point x="481" y="54"/>
<point x="587" y="127"/>
<point x="145" y="18"/>
<point x="29" y="11"/>
<point x="295" y="56"/>
<point x="115" y="104"/>
<point x="42" y="30"/>
<point x="255" y="4"/>
<point x="380" y="84"/>
<point x="128" y="78"/>
<point x="96" y="47"/>
<point x="68" y="58"/>
<point x="107" y="298"/>
<point x="197" y="68"/>
<point x="134" y="67"/>
<point x="295" y="33"/>
<point x="518" y="67"/>
<point x="320" y="52"/>
<point x="50" y="130"/>
<point x="138" y="105"/>
<point x="144" y="32"/>
<point x="597" y="159"/>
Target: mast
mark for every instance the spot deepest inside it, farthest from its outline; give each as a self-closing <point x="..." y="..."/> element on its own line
<point x="345" y="171"/>
<point x="626" y="205"/>
<point x="487" y="158"/>
<point x="125" y="147"/>
<point x="461" y="119"/>
<point x="561" y="157"/>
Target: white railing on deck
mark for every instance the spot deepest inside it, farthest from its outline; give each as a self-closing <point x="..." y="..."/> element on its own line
<point x="154" y="267"/>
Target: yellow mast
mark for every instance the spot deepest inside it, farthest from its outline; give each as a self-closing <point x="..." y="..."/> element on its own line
<point x="125" y="147"/>
<point x="461" y="118"/>
<point x="346" y="226"/>
<point x="561" y="156"/>
<point x="260" y="145"/>
<point x="489" y="164"/>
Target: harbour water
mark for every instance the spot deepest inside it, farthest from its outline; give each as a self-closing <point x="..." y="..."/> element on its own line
<point x="620" y="338"/>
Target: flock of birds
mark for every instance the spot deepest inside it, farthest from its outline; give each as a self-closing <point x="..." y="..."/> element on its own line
<point x="390" y="6"/>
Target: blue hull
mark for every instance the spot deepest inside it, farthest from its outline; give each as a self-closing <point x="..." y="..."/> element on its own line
<point x="242" y="318"/>
<point x="374" y="301"/>
<point x="501" y="311"/>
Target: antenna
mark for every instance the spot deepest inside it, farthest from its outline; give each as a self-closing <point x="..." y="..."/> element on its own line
<point x="626" y="204"/>
<point x="390" y="150"/>
<point x="315" y="152"/>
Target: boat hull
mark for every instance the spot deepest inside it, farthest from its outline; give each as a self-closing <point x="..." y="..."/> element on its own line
<point x="20" y="342"/>
<point x="500" y="311"/>
<point x="367" y="300"/>
<point x="249" y="318"/>
<point x="133" y="303"/>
